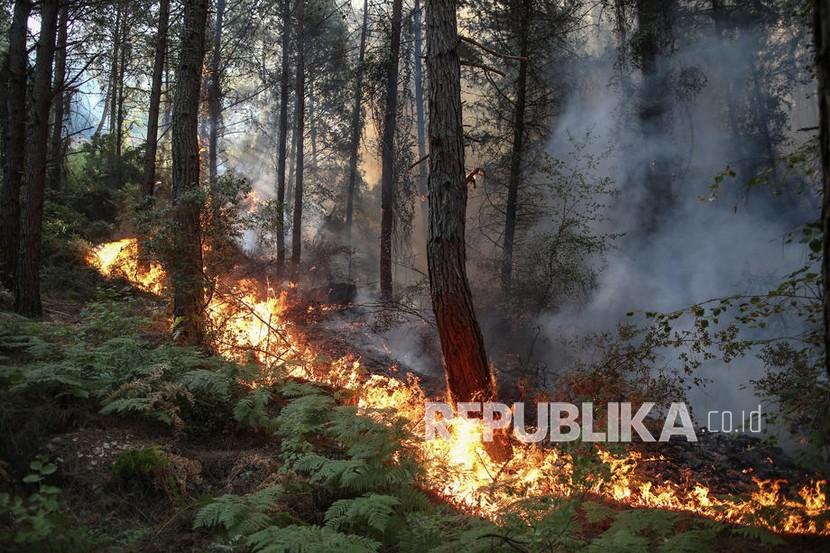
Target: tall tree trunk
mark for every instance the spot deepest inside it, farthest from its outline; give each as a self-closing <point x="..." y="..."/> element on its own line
<point x="654" y="20"/>
<point x="121" y="86"/>
<point x="27" y="294"/>
<point x="821" y="34"/>
<point x="149" y="181"/>
<point x="292" y="162"/>
<point x="357" y="127"/>
<point x="297" y="232"/>
<point x="116" y="54"/>
<point x="312" y="127"/>
<point x="387" y="191"/>
<point x="186" y="261"/>
<point x="56" y="147"/>
<point x="420" y="119"/>
<point x="465" y="360"/>
<point x="215" y="93"/>
<point x="14" y="145"/>
<point x="283" y="135"/>
<point x="522" y="16"/>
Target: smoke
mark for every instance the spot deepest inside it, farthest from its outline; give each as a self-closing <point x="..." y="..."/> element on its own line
<point x="701" y="249"/>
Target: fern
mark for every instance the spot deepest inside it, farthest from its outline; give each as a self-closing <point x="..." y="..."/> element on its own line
<point x="250" y="410"/>
<point x="693" y="541"/>
<point x="309" y="539"/>
<point x="239" y="515"/>
<point x="371" y="511"/>
<point x="760" y="535"/>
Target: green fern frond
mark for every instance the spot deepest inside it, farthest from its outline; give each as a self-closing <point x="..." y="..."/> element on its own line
<point x="239" y="515"/>
<point x="309" y="539"/>
<point x="693" y="541"/>
<point x="372" y="511"/>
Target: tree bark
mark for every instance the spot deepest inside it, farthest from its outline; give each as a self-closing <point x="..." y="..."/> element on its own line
<point x="149" y="182"/>
<point x="465" y="359"/>
<point x="27" y="294"/>
<point x="215" y="94"/>
<point x="821" y="36"/>
<point x="283" y="135"/>
<point x="420" y="119"/>
<point x="14" y="145"/>
<point x="357" y="127"/>
<point x="296" y="233"/>
<point x="522" y="13"/>
<point x="56" y="151"/>
<point x="387" y="191"/>
<point x="186" y="259"/>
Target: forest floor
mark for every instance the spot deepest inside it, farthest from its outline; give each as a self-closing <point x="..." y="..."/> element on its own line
<point x="134" y="479"/>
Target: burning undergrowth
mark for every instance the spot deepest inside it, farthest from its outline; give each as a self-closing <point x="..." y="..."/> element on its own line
<point x="250" y="320"/>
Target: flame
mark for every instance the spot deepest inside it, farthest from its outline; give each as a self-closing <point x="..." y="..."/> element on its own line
<point x="121" y="259"/>
<point x="243" y="324"/>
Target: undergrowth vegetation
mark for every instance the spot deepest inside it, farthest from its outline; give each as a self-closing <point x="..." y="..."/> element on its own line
<point x="343" y="479"/>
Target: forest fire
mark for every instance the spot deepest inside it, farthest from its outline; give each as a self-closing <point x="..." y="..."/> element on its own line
<point x="244" y="325"/>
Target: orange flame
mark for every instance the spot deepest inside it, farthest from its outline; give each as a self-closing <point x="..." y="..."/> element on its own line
<point x="459" y="468"/>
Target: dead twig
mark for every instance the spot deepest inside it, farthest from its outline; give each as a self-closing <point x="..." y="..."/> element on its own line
<point x="491" y="51"/>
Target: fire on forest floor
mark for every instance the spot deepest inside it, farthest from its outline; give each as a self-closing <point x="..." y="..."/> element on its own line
<point x="247" y="319"/>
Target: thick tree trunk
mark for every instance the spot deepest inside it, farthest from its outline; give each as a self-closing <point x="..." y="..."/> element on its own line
<point x="186" y="259"/>
<point x="149" y="183"/>
<point x="522" y="16"/>
<point x="215" y="93"/>
<point x="387" y="191"/>
<point x="56" y="151"/>
<point x="465" y="360"/>
<point x="14" y="145"/>
<point x="297" y="230"/>
<point x="822" y="41"/>
<point x="283" y="135"/>
<point x="27" y="294"/>
<point x="420" y="119"/>
<point x="357" y="127"/>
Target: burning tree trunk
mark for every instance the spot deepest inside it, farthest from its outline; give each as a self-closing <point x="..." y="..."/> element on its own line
<point x="357" y="112"/>
<point x="215" y="93"/>
<point x="283" y="135"/>
<point x="27" y="294"/>
<point x="186" y="259"/>
<point x="14" y="145"/>
<point x="822" y="41"/>
<point x="516" y="155"/>
<point x="465" y="360"/>
<point x="149" y="182"/>
<point x="387" y="218"/>
<point x="56" y="147"/>
<point x="296" y="233"/>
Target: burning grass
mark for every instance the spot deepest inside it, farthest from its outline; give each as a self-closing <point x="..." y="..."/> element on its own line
<point x="248" y="319"/>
